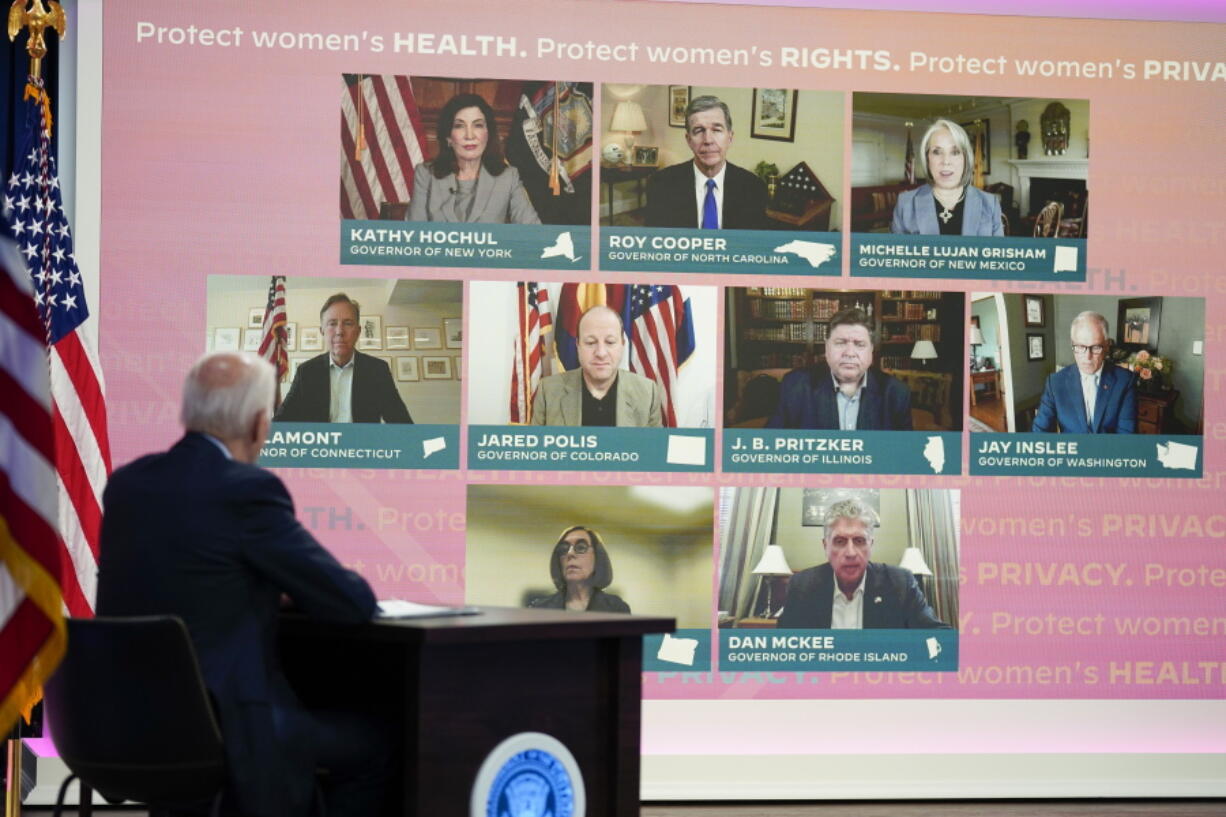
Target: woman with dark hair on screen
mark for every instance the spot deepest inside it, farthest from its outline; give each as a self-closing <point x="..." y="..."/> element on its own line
<point x="581" y="570"/>
<point x="468" y="181"/>
<point x="949" y="204"/>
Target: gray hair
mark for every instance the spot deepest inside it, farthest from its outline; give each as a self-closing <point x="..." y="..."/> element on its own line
<point x="852" y="509"/>
<point x="224" y="393"/>
<point x="962" y="141"/>
<point x="1091" y="317"/>
<point x="706" y="103"/>
<point x="341" y="298"/>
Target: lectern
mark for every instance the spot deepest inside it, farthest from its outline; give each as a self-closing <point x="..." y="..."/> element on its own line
<point x="456" y="688"/>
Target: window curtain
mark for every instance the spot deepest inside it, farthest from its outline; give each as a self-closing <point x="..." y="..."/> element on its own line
<point x="934" y="530"/>
<point x="751" y="517"/>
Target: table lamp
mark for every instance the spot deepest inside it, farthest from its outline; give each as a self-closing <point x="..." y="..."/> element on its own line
<point x="628" y="118"/>
<point x="772" y="565"/>
<point x="924" y="351"/>
<point x="976" y="340"/>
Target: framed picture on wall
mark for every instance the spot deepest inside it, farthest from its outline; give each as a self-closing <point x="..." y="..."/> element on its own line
<point x="453" y="333"/>
<point x="406" y="368"/>
<point x="436" y="368"/>
<point x="225" y="339"/>
<point x="397" y="337"/>
<point x="291" y="335"/>
<point x="1136" y="325"/>
<point x="310" y="339"/>
<point x="251" y="340"/>
<point x="1035" y="348"/>
<point x="815" y="502"/>
<point x="255" y="317"/>
<point x="678" y="101"/>
<point x="1034" y="316"/>
<point x="371" y="332"/>
<point x="774" y="114"/>
<point x="427" y="337"/>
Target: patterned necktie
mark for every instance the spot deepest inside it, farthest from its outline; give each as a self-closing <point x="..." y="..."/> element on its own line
<point x="710" y="213"/>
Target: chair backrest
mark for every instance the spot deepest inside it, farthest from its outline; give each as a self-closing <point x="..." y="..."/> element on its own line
<point x="130" y="714"/>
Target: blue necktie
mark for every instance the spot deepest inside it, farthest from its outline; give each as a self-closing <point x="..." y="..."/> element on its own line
<point x="710" y="213"/>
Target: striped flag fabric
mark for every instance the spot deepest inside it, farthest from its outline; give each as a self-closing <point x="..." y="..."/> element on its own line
<point x="32" y="634"/>
<point x="382" y="140"/>
<point x="534" y="320"/>
<point x="34" y="212"/>
<point x="660" y="326"/>
<point x="273" y="338"/>
<point x="909" y="163"/>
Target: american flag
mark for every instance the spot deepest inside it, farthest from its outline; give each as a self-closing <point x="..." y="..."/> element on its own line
<point x="34" y="212"/>
<point x="32" y="633"/>
<point x="273" y="333"/>
<point x="382" y="137"/>
<point x="534" y="320"/>
<point x="660" y="326"/>
<point x="909" y="164"/>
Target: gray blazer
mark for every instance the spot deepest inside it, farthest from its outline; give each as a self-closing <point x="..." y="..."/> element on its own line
<point x="916" y="213"/>
<point x="559" y="400"/>
<point x="500" y="199"/>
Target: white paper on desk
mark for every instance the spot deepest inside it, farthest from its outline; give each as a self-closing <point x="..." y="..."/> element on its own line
<point x="398" y="608"/>
<point x="684" y="450"/>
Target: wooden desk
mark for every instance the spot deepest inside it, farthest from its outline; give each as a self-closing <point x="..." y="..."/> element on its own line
<point x="613" y="175"/>
<point x="457" y="687"/>
<point x="988" y="377"/>
<point x="1154" y="411"/>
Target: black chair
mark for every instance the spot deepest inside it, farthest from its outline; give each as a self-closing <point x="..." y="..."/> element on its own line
<point x="131" y="718"/>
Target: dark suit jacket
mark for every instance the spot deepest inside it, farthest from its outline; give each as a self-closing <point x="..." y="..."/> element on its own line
<point x="916" y="213"/>
<point x="1063" y="408"/>
<point x="673" y="202"/>
<point x="374" y="398"/>
<point x="892" y="600"/>
<point x="807" y="400"/>
<point x="600" y="602"/>
<point x="215" y="542"/>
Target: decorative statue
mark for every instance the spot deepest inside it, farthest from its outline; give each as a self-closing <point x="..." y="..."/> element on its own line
<point x="1022" y="139"/>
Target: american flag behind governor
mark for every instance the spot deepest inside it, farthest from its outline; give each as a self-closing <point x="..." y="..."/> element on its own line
<point x="273" y="334"/>
<point x="533" y="320"/>
<point x="34" y="212"/>
<point x="660" y="331"/>
<point x="382" y="140"/>
<point x="32" y="635"/>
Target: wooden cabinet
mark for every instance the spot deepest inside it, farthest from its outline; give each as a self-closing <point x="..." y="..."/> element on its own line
<point x="1154" y="411"/>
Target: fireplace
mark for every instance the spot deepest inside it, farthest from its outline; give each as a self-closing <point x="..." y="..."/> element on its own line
<point x="1069" y="192"/>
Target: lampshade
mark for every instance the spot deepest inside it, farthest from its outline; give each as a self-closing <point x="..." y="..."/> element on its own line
<point x="924" y="350"/>
<point x="913" y="560"/>
<point x="976" y="336"/>
<point x="773" y="563"/>
<point x="628" y="116"/>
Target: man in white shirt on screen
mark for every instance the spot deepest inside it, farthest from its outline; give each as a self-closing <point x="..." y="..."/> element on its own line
<point x="850" y="592"/>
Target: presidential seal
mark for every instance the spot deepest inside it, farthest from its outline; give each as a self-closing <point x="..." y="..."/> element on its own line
<point x="528" y="775"/>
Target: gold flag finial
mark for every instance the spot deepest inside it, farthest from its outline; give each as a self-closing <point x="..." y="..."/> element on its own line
<point x="37" y="19"/>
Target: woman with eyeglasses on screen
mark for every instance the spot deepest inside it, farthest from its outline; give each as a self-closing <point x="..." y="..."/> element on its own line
<point x="949" y="204"/>
<point x="581" y="570"/>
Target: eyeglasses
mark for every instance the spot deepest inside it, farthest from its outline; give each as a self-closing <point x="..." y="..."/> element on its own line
<point x="1087" y="351"/>
<point x="579" y="548"/>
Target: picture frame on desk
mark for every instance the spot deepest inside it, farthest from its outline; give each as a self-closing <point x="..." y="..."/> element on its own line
<point x="645" y="156"/>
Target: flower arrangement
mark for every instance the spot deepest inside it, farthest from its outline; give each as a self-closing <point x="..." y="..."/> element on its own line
<point x="1152" y="369"/>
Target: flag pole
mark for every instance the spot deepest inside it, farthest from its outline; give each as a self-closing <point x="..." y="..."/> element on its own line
<point x="37" y="18"/>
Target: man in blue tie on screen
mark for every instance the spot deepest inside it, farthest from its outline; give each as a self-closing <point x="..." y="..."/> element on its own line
<point x="1089" y="397"/>
<point x="710" y="192"/>
<point x="202" y="533"/>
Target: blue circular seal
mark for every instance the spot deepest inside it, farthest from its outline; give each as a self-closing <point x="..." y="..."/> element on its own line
<point x="529" y="774"/>
<point x="532" y="783"/>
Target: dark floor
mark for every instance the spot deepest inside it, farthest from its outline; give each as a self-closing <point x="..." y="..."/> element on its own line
<point x="990" y="411"/>
<point x="934" y="808"/>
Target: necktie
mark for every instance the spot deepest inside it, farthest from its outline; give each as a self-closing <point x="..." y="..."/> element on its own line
<point x="710" y="213"/>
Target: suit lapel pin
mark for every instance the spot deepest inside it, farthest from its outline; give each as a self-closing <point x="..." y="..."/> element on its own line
<point x="877" y="600"/>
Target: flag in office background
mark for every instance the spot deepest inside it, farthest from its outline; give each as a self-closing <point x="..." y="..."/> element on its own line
<point x="273" y="332"/>
<point x="32" y="635"/>
<point x="528" y="363"/>
<point x="382" y="140"/>
<point x="34" y="213"/>
<point x="660" y="329"/>
<point x="909" y="162"/>
<point x="573" y="301"/>
<point x="554" y="121"/>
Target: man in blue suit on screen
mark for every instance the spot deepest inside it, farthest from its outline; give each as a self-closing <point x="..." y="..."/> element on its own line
<point x="1090" y="397"/>
<point x="202" y="533"/>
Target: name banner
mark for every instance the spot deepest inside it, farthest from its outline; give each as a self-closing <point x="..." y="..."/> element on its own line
<point x="685" y="650"/>
<point x="790" y="451"/>
<point x="838" y="650"/>
<point x="1176" y="456"/>
<point x="886" y="255"/>
<point x="437" y="244"/>
<point x="558" y="448"/>
<point x="748" y="252"/>
<point x="361" y="445"/>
